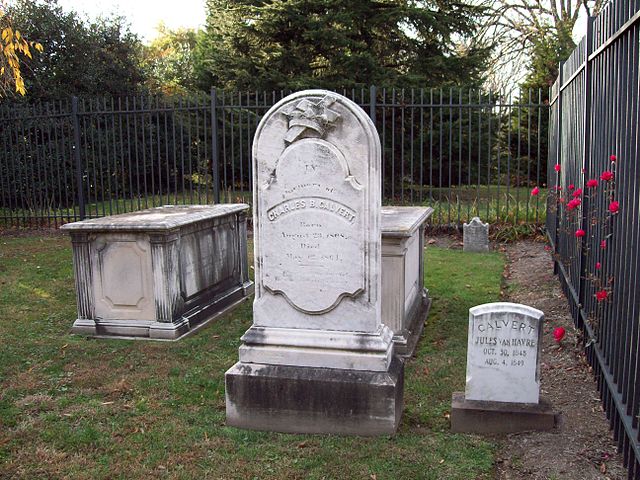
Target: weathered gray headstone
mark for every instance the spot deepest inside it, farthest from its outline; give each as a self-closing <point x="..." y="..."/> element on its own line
<point x="502" y="391"/>
<point x="475" y="236"/>
<point x="317" y="358"/>
<point x="158" y="273"/>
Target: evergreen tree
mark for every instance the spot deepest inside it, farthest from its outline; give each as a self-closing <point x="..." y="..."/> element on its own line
<point x="282" y="44"/>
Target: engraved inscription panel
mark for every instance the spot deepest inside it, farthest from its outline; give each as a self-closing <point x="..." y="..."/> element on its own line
<point x="502" y="357"/>
<point x="123" y="281"/>
<point x="312" y="216"/>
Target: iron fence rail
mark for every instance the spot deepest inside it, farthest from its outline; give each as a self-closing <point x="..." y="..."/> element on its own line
<point x="462" y="151"/>
<point x="595" y="113"/>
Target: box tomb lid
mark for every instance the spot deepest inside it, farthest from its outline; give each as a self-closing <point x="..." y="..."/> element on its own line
<point x="403" y="221"/>
<point x="167" y="217"/>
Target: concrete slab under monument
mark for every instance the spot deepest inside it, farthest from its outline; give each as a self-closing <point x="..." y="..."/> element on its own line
<point x="484" y="417"/>
<point x="315" y="400"/>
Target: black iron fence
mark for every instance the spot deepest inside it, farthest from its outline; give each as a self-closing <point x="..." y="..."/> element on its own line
<point x="463" y="152"/>
<point x="596" y="233"/>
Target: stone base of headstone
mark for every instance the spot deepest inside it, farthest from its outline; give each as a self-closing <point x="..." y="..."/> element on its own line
<point x="484" y="417"/>
<point x="406" y="341"/>
<point x="295" y="399"/>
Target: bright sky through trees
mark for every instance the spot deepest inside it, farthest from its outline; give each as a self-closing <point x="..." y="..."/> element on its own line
<point x="144" y="15"/>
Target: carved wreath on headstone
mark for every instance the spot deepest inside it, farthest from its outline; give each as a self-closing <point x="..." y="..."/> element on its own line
<point x="307" y="116"/>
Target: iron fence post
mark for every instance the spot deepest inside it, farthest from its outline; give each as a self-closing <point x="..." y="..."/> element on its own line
<point x="584" y="221"/>
<point x="77" y="157"/>
<point x="215" y="178"/>
<point x="558" y="157"/>
<point x="372" y="103"/>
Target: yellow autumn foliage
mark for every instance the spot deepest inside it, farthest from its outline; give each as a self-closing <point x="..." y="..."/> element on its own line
<point x="13" y="47"/>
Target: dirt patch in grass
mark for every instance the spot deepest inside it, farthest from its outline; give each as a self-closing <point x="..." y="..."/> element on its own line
<point x="581" y="447"/>
<point x="28" y="380"/>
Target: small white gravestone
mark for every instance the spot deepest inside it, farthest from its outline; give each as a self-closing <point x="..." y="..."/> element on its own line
<point x="503" y="376"/>
<point x="503" y="353"/>
<point x="318" y="358"/>
<point x="475" y="236"/>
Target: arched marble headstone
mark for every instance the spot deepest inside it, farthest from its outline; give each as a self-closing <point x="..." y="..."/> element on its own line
<point x="317" y="215"/>
<point x="316" y="178"/>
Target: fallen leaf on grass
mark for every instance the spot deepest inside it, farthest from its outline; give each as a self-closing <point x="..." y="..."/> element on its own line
<point x="603" y="468"/>
<point x="302" y="444"/>
<point x="431" y="242"/>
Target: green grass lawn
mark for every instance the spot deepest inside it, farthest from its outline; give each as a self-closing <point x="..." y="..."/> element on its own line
<point x="72" y="407"/>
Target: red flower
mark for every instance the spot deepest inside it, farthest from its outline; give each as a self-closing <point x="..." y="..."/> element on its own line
<point x="547" y="248"/>
<point x="593" y="183"/>
<point x="574" y="203"/>
<point x="558" y="334"/>
<point x="557" y="167"/>
<point x="577" y="193"/>
<point x="613" y="158"/>
<point x="580" y="233"/>
<point x="572" y="186"/>
<point x="535" y="191"/>
<point x="614" y="207"/>
<point x="598" y="265"/>
<point x="601" y="295"/>
<point x="603" y="244"/>
<point x="606" y="175"/>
